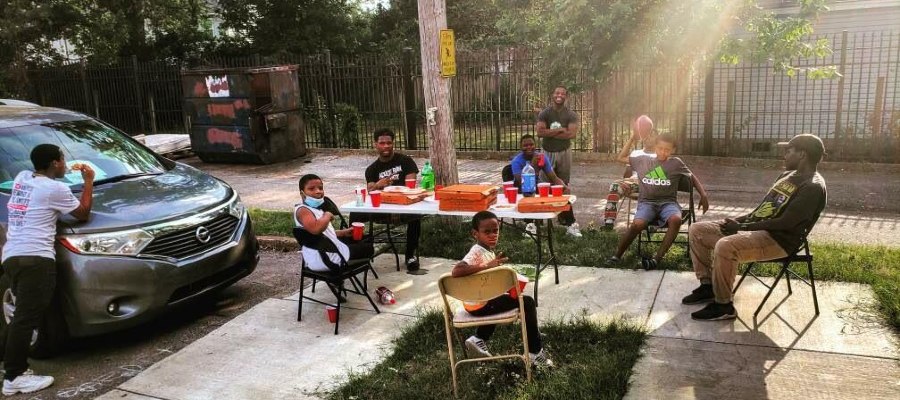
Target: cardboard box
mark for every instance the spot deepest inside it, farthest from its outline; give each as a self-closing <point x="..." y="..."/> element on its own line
<point x="466" y="205"/>
<point x="467" y="192"/>
<point x="543" y="204"/>
<point x="402" y="198"/>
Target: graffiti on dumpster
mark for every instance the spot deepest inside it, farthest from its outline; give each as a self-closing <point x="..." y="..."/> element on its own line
<point x="227" y="110"/>
<point x="219" y="136"/>
<point x="217" y="86"/>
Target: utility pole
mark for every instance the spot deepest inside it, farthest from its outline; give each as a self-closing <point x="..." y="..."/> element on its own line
<point x="439" y="116"/>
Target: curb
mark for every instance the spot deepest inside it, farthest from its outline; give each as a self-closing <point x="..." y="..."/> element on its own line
<point x="278" y="243"/>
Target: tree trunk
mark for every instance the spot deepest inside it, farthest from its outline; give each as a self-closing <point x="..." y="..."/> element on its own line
<point x="441" y="149"/>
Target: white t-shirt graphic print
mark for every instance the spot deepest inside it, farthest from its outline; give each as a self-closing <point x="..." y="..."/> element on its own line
<point x="34" y="207"/>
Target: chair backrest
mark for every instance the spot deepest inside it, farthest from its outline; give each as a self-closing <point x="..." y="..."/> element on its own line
<point x="686" y="185"/>
<point x="320" y="243"/>
<point x="331" y="207"/>
<point x="480" y="286"/>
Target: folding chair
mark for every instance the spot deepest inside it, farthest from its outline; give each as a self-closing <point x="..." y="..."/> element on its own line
<point x="481" y="286"/>
<point x="802" y="255"/>
<point x="331" y="207"/>
<point x="335" y="277"/>
<point x="688" y="216"/>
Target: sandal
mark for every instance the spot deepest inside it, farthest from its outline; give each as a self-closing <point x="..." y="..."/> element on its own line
<point x="648" y="263"/>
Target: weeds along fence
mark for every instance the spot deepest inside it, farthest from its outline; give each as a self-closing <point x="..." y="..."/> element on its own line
<point x="713" y="109"/>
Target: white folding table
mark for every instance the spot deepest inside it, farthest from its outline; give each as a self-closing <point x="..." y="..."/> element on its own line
<point x="430" y="207"/>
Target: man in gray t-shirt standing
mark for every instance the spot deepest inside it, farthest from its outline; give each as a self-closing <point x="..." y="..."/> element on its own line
<point x="557" y="126"/>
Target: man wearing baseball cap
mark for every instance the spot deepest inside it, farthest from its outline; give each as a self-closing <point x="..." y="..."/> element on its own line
<point x="773" y="230"/>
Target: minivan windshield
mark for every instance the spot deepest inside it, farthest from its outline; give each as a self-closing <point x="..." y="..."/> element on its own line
<point x="112" y="155"/>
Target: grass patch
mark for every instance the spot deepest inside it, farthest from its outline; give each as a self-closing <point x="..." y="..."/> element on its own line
<point x="878" y="266"/>
<point x="593" y="361"/>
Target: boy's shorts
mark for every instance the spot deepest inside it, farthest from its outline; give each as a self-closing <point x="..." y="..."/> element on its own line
<point x="656" y="212"/>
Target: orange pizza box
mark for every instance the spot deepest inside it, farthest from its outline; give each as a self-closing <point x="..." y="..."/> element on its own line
<point x="402" y="198"/>
<point x="544" y="204"/>
<point x="467" y="192"/>
<point x="466" y="205"/>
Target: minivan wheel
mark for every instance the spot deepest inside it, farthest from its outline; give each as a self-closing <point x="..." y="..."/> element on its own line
<point x="50" y="338"/>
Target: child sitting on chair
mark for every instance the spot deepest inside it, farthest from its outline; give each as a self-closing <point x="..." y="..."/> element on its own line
<point x="658" y="200"/>
<point x="310" y="216"/>
<point x="486" y="231"/>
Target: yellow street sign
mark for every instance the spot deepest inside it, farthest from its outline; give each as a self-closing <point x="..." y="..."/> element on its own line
<point x="448" y="53"/>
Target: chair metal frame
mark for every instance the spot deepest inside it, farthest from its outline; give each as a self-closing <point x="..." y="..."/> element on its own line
<point x="334" y="277"/>
<point x="481" y="286"/>
<point x="802" y="255"/>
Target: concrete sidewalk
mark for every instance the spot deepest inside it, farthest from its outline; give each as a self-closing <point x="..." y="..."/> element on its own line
<point x="861" y="204"/>
<point x="788" y="353"/>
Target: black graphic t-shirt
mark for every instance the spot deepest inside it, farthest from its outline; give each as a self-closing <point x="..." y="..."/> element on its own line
<point x="397" y="168"/>
<point x="551" y="117"/>
<point x="796" y="194"/>
<point x="659" y="180"/>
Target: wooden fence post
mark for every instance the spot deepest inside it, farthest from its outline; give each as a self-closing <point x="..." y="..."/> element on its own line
<point x="409" y="98"/>
<point x="878" y="141"/>
<point x="709" y="109"/>
<point x="137" y="92"/>
<point x="838" y="123"/>
<point x="729" y="118"/>
<point x="329" y="101"/>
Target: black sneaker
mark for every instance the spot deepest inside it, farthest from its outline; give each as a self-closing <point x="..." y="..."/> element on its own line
<point x="648" y="263"/>
<point x="702" y="294"/>
<point x="715" y="312"/>
<point x="412" y="266"/>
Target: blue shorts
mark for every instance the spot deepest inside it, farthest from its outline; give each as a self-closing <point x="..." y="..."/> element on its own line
<point x="656" y="212"/>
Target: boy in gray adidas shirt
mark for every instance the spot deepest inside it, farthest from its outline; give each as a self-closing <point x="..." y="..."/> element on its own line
<point x="659" y="179"/>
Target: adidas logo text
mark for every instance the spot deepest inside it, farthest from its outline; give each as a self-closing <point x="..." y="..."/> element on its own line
<point x="657" y="181"/>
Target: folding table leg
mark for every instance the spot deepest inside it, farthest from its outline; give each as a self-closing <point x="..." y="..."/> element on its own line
<point x="552" y="254"/>
<point x="539" y="265"/>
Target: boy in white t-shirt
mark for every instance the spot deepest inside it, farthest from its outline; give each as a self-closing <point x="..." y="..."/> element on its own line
<point x="486" y="231"/>
<point x="36" y="202"/>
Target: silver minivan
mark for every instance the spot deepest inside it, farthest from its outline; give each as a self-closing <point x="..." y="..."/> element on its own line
<point x="161" y="233"/>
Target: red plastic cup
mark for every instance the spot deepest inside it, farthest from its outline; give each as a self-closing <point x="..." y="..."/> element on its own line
<point x="363" y="192"/>
<point x="544" y="189"/>
<point x="357" y="230"/>
<point x="511" y="194"/>
<point x="557" y="190"/>
<point x="411" y="183"/>
<point x="523" y="280"/>
<point x="331" y="312"/>
<point x="436" y="189"/>
<point x="376" y="198"/>
<point x="508" y="184"/>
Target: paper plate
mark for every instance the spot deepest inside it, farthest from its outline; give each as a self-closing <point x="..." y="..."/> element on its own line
<point x="392" y="189"/>
<point x="503" y="207"/>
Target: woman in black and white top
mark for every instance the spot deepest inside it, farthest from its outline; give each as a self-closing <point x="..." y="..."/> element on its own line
<point x="309" y="216"/>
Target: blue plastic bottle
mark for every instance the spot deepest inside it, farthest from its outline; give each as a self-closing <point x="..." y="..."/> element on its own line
<point x="529" y="184"/>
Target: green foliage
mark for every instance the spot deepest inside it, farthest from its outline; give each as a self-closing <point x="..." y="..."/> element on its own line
<point x="343" y="132"/>
<point x="273" y="27"/>
<point x="604" y="35"/>
<point x="592" y="361"/>
<point x="474" y="24"/>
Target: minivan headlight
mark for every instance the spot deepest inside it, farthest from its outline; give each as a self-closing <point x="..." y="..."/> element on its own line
<point x="237" y="208"/>
<point x="125" y="243"/>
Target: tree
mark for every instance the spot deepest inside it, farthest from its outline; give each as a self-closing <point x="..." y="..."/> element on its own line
<point x="272" y="27"/>
<point x="474" y="24"/>
<point x="601" y="35"/>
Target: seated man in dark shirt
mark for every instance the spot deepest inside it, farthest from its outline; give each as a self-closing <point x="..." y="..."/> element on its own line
<point x="393" y="169"/>
<point x="773" y="230"/>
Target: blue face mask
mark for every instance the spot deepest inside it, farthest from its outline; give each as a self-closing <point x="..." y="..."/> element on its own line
<point x="313" y="202"/>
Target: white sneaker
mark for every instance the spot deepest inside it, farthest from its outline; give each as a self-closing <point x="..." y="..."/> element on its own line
<point x="574" y="230"/>
<point x="26" y="384"/>
<point x="477" y="346"/>
<point x="540" y="360"/>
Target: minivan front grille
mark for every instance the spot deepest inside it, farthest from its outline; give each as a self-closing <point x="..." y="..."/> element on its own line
<point x="187" y="242"/>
